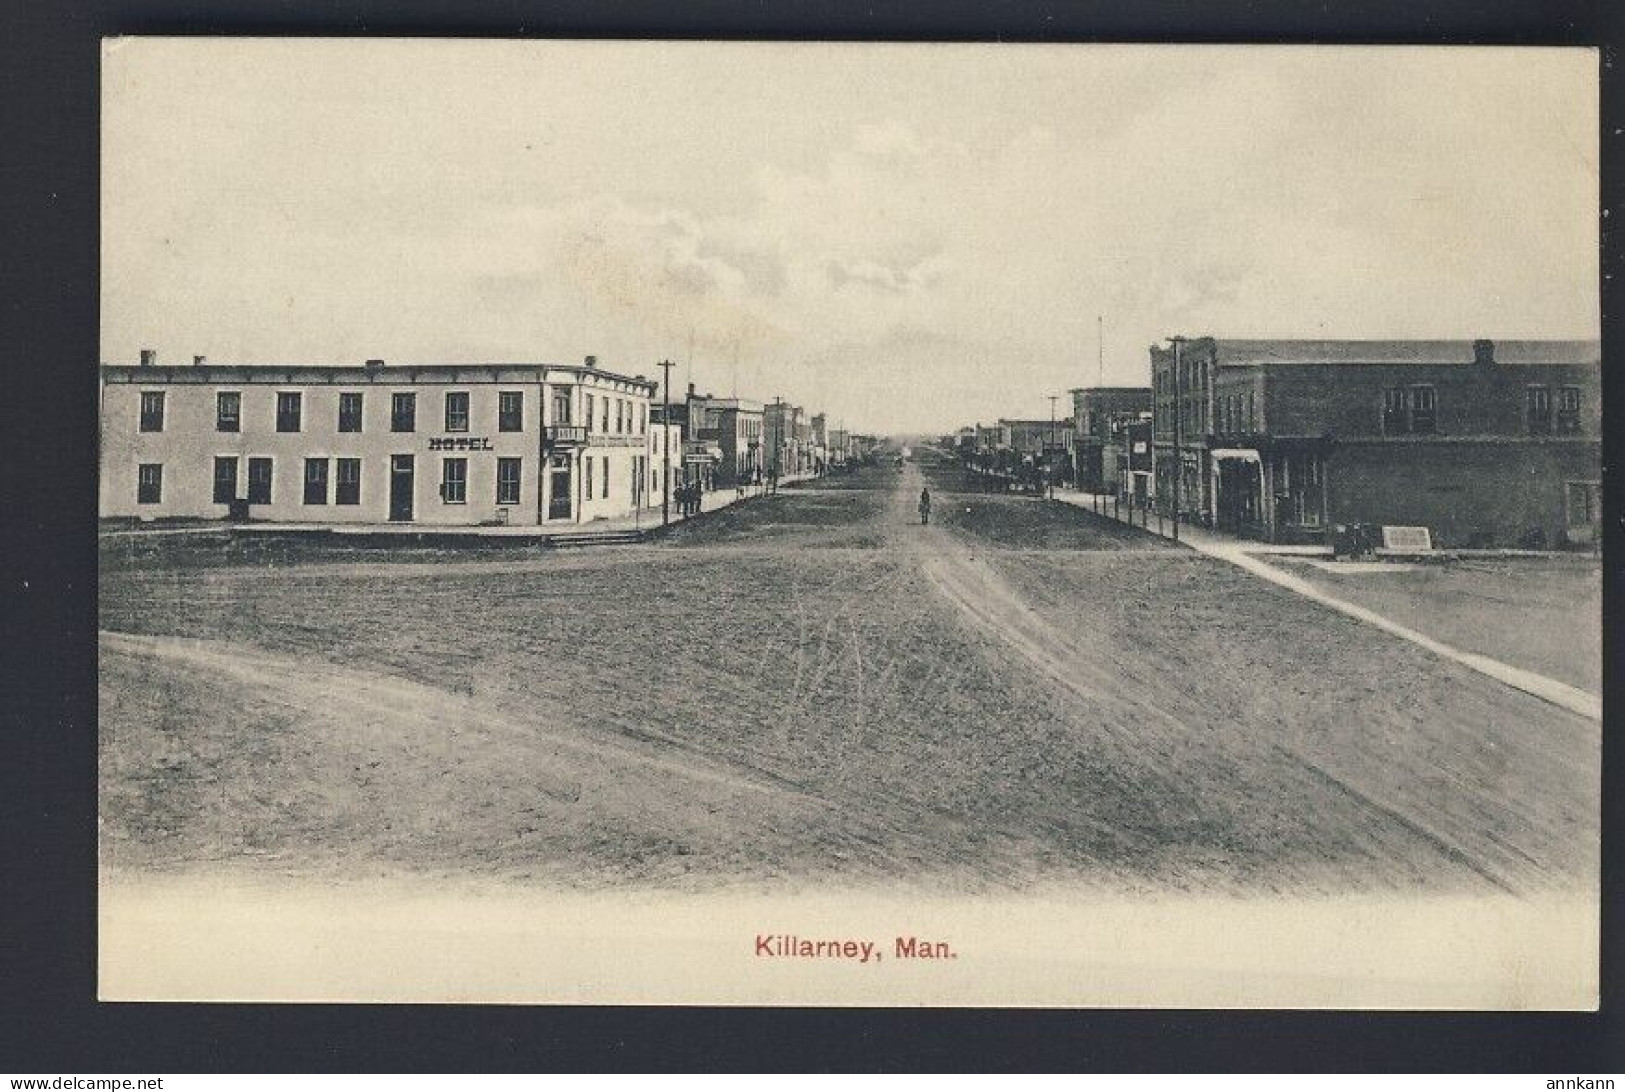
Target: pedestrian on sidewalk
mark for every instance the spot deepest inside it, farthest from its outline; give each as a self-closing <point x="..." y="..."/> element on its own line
<point x="925" y="507"/>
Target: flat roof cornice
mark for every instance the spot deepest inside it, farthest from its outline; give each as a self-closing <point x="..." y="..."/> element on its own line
<point x="388" y="375"/>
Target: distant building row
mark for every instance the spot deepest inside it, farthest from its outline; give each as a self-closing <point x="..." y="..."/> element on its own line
<point x="1484" y="443"/>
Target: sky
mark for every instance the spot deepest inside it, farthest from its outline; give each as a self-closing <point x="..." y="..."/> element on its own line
<point x="908" y="237"/>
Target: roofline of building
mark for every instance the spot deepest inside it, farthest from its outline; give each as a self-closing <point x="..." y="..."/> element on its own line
<point x="282" y="373"/>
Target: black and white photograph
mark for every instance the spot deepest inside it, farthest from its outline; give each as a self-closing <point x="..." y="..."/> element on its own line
<point x="846" y="524"/>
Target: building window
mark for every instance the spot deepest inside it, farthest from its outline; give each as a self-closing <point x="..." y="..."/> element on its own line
<point x="454" y="481"/>
<point x="1424" y="410"/>
<point x="259" y="481"/>
<point x="511" y="411"/>
<point x="350" y="412"/>
<point x="1539" y="403"/>
<point x="315" y="481"/>
<point x="347" y="485"/>
<point x="561" y="406"/>
<point x="1396" y="411"/>
<point x="586" y="474"/>
<point x="605" y="402"/>
<point x="1568" y="410"/>
<point x="588" y="404"/>
<point x="152" y="411"/>
<point x="1584" y="503"/>
<point x="508" y="481"/>
<point x="289" y="409"/>
<point x="225" y="479"/>
<point x="149" y="483"/>
<point x="606" y="461"/>
<point x="403" y="412"/>
<point x="228" y="411"/>
<point x="457" y="411"/>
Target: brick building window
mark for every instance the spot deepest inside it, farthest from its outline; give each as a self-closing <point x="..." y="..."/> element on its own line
<point x="315" y="481"/>
<point x="457" y="411"/>
<point x="1538" y="410"/>
<point x="511" y="411"/>
<point x="350" y="412"/>
<point x="149" y="483"/>
<point x="403" y="412"/>
<point x="1568" y="410"/>
<point x="225" y="479"/>
<point x="228" y="411"/>
<point x="152" y="411"/>
<point x="289" y="411"/>
<point x="1424" y="410"/>
<point x="508" y="471"/>
<point x="347" y="485"/>
<point x="454" y="481"/>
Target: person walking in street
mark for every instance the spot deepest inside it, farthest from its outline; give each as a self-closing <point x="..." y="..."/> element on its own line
<point x="925" y="507"/>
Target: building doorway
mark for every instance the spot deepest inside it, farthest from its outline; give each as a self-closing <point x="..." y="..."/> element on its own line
<point x="401" y="487"/>
<point x="560" y="498"/>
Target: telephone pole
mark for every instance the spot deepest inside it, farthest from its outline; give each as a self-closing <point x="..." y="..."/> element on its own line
<point x="778" y="436"/>
<point x="665" y="441"/>
<point x="1049" y="458"/>
<point x="1179" y="439"/>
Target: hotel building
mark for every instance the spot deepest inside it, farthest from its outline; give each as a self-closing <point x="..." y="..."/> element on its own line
<point x="433" y="444"/>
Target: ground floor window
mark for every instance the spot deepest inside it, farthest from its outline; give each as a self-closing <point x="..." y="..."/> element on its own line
<point x="347" y="488"/>
<point x="225" y="479"/>
<point x="454" y="481"/>
<point x="315" y="481"/>
<point x="1584" y="503"/>
<point x="149" y="483"/>
<point x="508" y="471"/>
<point x="259" y="481"/>
<point x="606" y="464"/>
<point x="586" y="476"/>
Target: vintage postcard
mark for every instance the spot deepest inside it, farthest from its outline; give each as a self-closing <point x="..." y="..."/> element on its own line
<point x="849" y="524"/>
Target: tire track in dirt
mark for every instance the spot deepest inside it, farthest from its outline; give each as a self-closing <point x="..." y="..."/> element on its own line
<point x="1080" y="666"/>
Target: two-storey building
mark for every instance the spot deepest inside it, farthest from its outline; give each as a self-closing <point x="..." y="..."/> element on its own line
<point x="1484" y="443"/>
<point x="461" y="444"/>
<point x="1096" y="413"/>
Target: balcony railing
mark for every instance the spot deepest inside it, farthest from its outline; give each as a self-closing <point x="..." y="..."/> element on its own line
<point x="560" y="435"/>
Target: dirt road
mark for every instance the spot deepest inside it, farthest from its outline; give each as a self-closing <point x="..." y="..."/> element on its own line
<point x="814" y="688"/>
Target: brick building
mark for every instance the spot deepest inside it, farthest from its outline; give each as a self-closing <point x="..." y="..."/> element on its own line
<point x="1484" y="443"/>
<point x="1096" y="411"/>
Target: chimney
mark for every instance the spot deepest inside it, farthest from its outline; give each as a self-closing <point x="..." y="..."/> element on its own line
<point x="1484" y="352"/>
<point x="149" y="357"/>
<point x="691" y="390"/>
<point x="199" y="360"/>
<point x="374" y="365"/>
<point x="592" y="361"/>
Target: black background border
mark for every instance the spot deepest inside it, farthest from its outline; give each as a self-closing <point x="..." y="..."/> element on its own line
<point x="51" y="1024"/>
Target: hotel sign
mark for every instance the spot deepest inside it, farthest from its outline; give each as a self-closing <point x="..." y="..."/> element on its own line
<point x="460" y="443"/>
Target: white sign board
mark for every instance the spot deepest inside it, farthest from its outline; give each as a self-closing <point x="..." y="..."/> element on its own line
<point x="1407" y="539"/>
